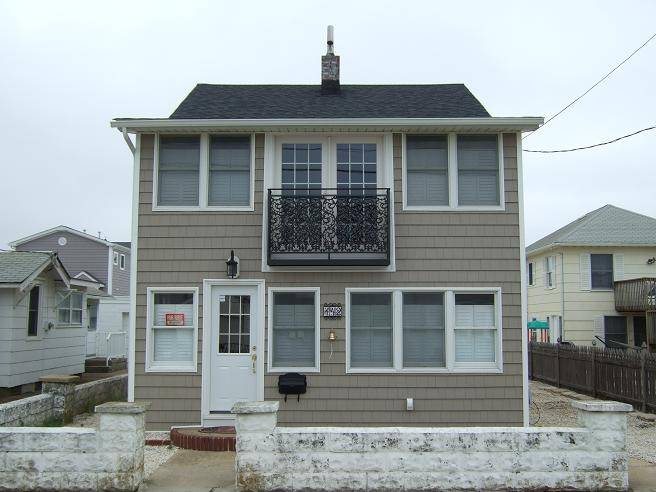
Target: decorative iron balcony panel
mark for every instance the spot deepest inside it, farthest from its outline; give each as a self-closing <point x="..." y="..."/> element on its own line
<point x="329" y="227"/>
<point x="635" y="295"/>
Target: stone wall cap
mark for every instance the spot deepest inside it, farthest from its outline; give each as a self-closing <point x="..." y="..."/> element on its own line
<point x="59" y="379"/>
<point x="255" y="407"/>
<point x="123" y="407"/>
<point x="602" y="406"/>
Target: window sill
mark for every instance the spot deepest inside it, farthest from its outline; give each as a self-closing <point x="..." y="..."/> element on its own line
<point x="593" y="289"/>
<point x="68" y="325"/>
<point x="282" y="370"/>
<point x="428" y="370"/>
<point x="459" y="208"/>
<point x="161" y="368"/>
<point x="192" y="208"/>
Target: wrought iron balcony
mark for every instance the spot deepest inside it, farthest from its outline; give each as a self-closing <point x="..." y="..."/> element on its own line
<point x="635" y="295"/>
<point x="329" y="227"/>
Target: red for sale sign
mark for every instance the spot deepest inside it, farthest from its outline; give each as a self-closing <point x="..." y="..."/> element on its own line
<point x="175" y="319"/>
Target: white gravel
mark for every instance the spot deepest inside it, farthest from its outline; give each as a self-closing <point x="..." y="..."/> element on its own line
<point x="551" y="407"/>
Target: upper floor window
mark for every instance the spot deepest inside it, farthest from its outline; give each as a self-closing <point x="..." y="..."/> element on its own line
<point x="301" y="168"/>
<point x="550" y="272"/>
<point x="427" y="170"/>
<point x="451" y="172"/>
<point x="530" y="273"/>
<point x="122" y="262"/>
<point x="116" y="258"/>
<point x="178" y="170"/>
<point x="204" y="172"/>
<point x="230" y="169"/>
<point x="601" y="271"/>
<point x="478" y="170"/>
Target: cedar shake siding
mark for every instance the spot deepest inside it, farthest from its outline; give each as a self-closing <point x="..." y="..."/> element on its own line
<point x="434" y="249"/>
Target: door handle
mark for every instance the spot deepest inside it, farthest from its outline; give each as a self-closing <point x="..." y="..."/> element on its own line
<point x="254" y="359"/>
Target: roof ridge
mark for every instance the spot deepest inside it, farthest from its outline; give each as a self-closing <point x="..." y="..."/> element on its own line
<point x="584" y="220"/>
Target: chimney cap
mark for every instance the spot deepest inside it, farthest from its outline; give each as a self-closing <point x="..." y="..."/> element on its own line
<point x="330" y="40"/>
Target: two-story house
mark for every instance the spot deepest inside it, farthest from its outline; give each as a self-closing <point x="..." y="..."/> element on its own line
<point x="368" y="237"/>
<point x="103" y="268"/>
<point x="594" y="280"/>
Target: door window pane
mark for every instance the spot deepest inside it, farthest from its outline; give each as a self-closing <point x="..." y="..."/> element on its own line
<point x="478" y="170"/>
<point x="230" y="171"/>
<point x="356" y="166"/>
<point x="178" y="170"/>
<point x="371" y="330"/>
<point x="601" y="271"/>
<point x="301" y="167"/>
<point x="234" y="325"/>
<point x="294" y="329"/>
<point x="423" y="329"/>
<point x="427" y="170"/>
<point x="475" y="328"/>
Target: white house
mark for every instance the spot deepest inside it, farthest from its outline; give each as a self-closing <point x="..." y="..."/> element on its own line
<point x="596" y="277"/>
<point x="43" y="319"/>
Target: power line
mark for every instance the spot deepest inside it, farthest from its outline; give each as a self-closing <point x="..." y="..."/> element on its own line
<point x="592" y="146"/>
<point x="595" y="85"/>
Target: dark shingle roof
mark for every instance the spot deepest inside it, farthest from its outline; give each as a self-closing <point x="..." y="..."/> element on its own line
<point x="606" y="226"/>
<point x="208" y="101"/>
<point x="125" y="244"/>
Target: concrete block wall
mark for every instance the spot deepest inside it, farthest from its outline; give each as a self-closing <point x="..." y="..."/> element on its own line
<point x="61" y="397"/>
<point x="61" y="458"/>
<point x="592" y="457"/>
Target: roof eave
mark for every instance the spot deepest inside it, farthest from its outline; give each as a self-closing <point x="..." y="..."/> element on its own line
<point x="507" y="124"/>
<point x="554" y="245"/>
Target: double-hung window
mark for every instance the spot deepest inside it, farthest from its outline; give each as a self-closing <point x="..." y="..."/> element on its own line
<point x="69" y="308"/>
<point x="294" y="329"/>
<point x="178" y="170"/>
<point x="33" y="312"/>
<point x="550" y="272"/>
<point x="601" y="271"/>
<point x="475" y="329"/>
<point x="478" y="170"/>
<point x="229" y="171"/>
<point x="427" y="170"/>
<point x="423" y="330"/>
<point x="172" y="329"/>
<point x="122" y="262"/>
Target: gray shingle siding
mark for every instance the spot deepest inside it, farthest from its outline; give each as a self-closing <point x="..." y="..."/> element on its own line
<point x="432" y="249"/>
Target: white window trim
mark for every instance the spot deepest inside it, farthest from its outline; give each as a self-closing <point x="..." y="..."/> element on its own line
<point x="272" y="178"/>
<point x="452" y="367"/>
<point x="203" y="180"/>
<point x="317" y="331"/>
<point x="115" y="258"/>
<point x="122" y="262"/>
<point x="547" y="271"/>
<point x="151" y="365"/>
<point x="453" y="206"/>
<point x="69" y="293"/>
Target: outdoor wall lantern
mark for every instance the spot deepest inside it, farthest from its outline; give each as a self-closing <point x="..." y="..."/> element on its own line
<point x="232" y="265"/>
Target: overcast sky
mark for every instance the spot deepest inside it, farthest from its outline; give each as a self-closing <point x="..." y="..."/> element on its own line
<point x="67" y="68"/>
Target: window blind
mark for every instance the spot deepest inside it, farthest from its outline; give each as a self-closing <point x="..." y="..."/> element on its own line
<point x="423" y="330"/>
<point x="173" y="344"/>
<point x="427" y="170"/>
<point x="475" y="333"/>
<point x="478" y="170"/>
<point x="371" y="330"/>
<point x="179" y="169"/>
<point x="230" y="171"/>
<point x="293" y="329"/>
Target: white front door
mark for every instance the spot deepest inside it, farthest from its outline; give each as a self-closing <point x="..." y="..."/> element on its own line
<point x="92" y="326"/>
<point x="233" y="347"/>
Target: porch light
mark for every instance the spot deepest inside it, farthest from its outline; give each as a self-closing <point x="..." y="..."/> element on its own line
<point x="232" y="265"/>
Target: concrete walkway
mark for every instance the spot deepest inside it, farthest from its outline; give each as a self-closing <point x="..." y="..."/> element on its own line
<point x="206" y="471"/>
<point x="194" y="471"/>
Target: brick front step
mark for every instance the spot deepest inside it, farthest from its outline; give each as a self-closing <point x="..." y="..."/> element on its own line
<point x="204" y="439"/>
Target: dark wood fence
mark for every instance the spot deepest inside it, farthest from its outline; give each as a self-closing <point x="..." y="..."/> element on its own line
<point x="614" y="374"/>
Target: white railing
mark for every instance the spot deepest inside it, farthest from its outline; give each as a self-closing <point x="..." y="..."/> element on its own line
<point x="111" y="344"/>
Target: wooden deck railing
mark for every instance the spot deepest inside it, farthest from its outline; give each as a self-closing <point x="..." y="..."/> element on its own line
<point x="635" y="295"/>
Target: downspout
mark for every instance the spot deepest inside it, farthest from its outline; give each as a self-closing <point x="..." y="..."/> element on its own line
<point x="562" y="297"/>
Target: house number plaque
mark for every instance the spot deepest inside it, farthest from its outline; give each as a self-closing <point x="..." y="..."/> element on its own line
<point x="333" y="310"/>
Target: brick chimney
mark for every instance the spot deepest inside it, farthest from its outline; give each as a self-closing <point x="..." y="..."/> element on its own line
<point x="330" y="68"/>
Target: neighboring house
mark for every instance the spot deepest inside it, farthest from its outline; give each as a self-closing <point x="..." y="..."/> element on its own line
<point x="377" y="231"/>
<point x="42" y="319"/>
<point x="596" y="277"/>
<point x="104" y="268"/>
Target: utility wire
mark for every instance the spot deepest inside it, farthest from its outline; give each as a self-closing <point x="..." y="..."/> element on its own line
<point x="591" y="146"/>
<point x="595" y="85"/>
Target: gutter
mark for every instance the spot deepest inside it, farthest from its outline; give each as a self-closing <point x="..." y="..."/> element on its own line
<point x="525" y="123"/>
